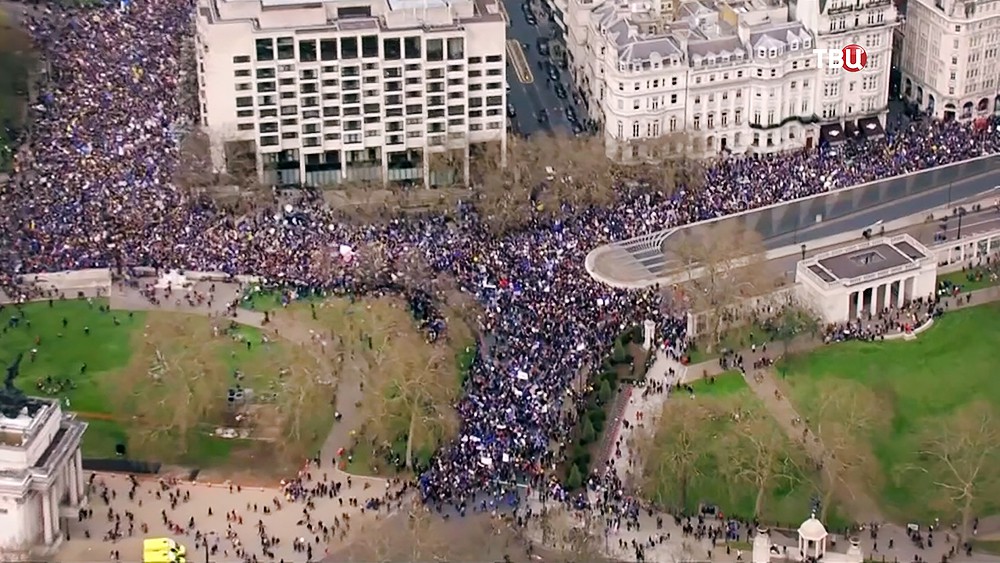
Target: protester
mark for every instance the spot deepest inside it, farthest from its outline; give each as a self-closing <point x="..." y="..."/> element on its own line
<point x="93" y="188"/>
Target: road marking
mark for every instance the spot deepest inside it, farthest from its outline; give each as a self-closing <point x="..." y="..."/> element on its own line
<point x="520" y="62"/>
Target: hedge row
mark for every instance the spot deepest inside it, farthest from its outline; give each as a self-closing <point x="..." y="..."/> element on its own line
<point x="592" y="414"/>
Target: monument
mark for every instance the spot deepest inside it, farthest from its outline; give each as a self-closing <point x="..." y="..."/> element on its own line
<point x="845" y="283"/>
<point x="41" y="471"/>
<point x="811" y="546"/>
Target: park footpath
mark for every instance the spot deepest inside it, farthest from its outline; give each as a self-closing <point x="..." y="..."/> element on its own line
<point x="643" y="408"/>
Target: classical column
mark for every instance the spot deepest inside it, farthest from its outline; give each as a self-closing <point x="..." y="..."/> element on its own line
<point x="47" y="517"/>
<point x="871" y="302"/>
<point x="78" y="465"/>
<point x="54" y="506"/>
<point x="69" y="474"/>
<point x="900" y="293"/>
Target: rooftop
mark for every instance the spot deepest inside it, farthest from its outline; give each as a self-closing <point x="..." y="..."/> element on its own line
<point x="863" y="262"/>
<point x="867" y="260"/>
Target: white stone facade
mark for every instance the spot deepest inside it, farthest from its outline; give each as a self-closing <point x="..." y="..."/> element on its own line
<point x="837" y="298"/>
<point x="41" y="477"/>
<point x="734" y="75"/>
<point x="325" y="92"/>
<point x="951" y="57"/>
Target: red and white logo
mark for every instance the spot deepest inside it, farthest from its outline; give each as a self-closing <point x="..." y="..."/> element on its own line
<point x="851" y="58"/>
<point x="855" y="58"/>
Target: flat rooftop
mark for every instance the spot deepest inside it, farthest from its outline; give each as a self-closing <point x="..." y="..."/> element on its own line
<point x="865" y="261"/>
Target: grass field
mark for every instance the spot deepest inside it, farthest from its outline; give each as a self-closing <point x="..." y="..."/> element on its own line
<point x="103" y="365"/>
<point x="970" y="280"/>
<point x="719" y="421"/>
<point x="905" y="394"/>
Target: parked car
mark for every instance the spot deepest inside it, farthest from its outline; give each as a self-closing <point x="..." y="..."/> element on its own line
<point x="530" y="18"/>
<point x="543" y="116"/>
<point x="571" y="115"/>
<point x="511" y="112"/>
<point x="560" y="92"/>
<point x="553" y="73"/>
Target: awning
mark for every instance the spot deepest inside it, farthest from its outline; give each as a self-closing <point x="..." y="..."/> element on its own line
<point x="871" y="127"/>
<point x="832" y="134"/>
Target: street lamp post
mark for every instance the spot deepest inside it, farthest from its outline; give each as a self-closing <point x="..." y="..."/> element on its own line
<point x="205" y="543"/>
<point x="961" y="213"/>
<point x="803" y="251"/>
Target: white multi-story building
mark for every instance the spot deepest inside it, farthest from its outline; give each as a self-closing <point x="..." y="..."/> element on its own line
<point x="733" y="75"/>
<point x="41" y="476"/>
<point x="324" y="92"/>
<point x="951" y="57"/>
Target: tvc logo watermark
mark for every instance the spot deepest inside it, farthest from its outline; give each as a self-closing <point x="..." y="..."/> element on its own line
<point x="851" y="58"/>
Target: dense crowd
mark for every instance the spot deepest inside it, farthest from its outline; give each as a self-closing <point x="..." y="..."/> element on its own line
<point x="93" y="189"/>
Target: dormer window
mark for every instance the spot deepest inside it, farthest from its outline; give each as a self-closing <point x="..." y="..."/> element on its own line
<point x="807" y="42"/>
<point x="761" y="53"/>
<point x="772" y="53"/>
<point x="711" y="60"/>
<point x="795" y="45"/>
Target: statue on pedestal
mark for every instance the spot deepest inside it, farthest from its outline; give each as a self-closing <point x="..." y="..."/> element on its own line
<point x="12" y="399"/>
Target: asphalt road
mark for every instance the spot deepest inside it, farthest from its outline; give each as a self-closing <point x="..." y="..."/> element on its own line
<point x="952" y="194"/>
<point x="972" y="224"/>
<point x="529" y="99"/>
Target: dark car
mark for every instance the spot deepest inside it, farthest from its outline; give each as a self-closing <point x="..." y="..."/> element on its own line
<point x="553" y="73"/>
<point x="543" y="46"/>
<point x="560" y="92"/>
<point x="543" y="116"/>
<point x="571" y="115"/>
<point x="511" y="112"/>
<point x="530" y="18"/>
<point x="577" y="128"/>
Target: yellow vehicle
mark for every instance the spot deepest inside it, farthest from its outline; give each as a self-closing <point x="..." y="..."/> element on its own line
<point x="162" y="550"/>
<point x="162" y="557"/>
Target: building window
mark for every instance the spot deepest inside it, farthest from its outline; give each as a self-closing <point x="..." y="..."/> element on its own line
<point x="240" y="59"/>
<point x="286" y="48"/>
<point x="435" y="50"/>
<point x="456" y="49"/>
<point x="265" y="49"/>
<point x="635" y="129"/>
<point x="328" y="49"/>
<point x="349" y="47"/>
<point x="307" y="50"/>
<point x="244" y="101"/>
<point x="411" y="47"/>
<point x="391" y="49"/>
<point x="369" y="46"/>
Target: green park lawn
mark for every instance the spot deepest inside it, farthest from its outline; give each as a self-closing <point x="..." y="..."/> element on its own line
<point x="904" y="395"/>
<point x="969" y="281"/>
<point x="109" y="353"/>
<point x="716" y="433"/>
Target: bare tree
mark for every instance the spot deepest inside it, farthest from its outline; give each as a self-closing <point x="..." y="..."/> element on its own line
<point x="666" y="163"/>
<point x="725" y="264"/>
<point x="759" y="456"/>
<point x="175" y="383"/>
<point x="961" y="457"/>
<point x="793" y="321"/>
<point x="306" y="390"/>
<point x="845" y="414"/>
<point x="672" y="453"/>
<point x="414" y="399"/>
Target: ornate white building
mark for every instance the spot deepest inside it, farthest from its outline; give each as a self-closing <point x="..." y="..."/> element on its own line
<point x="951" y="57"/>
<point x="41" y="475"/>
<point x="736" y="75"/>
